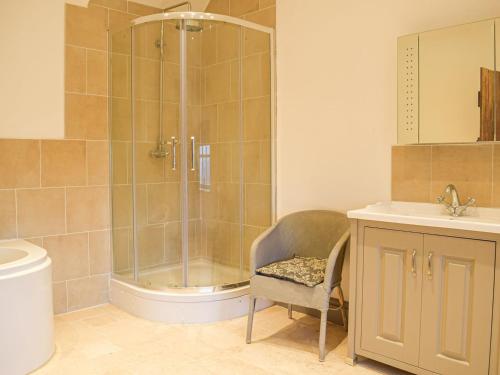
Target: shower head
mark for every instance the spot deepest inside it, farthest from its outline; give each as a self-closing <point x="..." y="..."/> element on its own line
<point x="193" y="26"/>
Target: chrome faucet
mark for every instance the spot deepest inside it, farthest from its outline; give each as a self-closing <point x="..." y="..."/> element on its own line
<point x="454" y="207"/>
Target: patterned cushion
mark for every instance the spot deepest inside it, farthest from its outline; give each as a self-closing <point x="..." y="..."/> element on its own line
<point x="301" y="270"/>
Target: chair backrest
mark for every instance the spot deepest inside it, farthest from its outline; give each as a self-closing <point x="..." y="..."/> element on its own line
<point x="312" y="233"/>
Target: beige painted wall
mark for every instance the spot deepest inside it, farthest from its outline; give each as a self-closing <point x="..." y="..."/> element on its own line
<point x="337" y="93"/>
<point x="32" y="73"/>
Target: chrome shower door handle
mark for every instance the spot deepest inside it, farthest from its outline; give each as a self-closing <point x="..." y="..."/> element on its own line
<point x="429" y="265"/>
<point x="173" y="142"/>
<point x="193" y="153"/>
<point x="414" y="263"/>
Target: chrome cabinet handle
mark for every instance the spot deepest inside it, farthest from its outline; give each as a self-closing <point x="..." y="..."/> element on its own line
<point x="414" y="263"/>
<point x="429" y="265"/>
<point x="193" y="154"/>
<point x="174" y="142"/>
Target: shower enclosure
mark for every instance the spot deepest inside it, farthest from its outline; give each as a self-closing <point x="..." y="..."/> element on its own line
<point x="191" y="139"/>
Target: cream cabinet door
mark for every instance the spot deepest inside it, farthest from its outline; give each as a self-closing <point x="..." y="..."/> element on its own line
<point x="457" y="300"/>
<point x="391" y="295"/>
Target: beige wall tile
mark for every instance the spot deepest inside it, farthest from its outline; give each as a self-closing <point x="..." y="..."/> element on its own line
<point x="171" y="38"/>
<point x="121" y="127"/>
<point x="194" y="200"/>
<point x="256" y="76"/>
<point x="151" y="245"/>
<point x="163" y="202"/>
<point x="235" y="86"/>
<point x="266" y="17"/>
<point x="208" y="44"/>
<point x="86" y="27"/>
<point x="495" y="202"/>
<point x="112" y="4"/>
<point x="251" y="162"/>
<point x="75" y="69"/>
<point x="257" y="119"/>
<point x="120" y="161"/>
<point x="87" y="208"/>
<point x="217" y="83"/>
<point x="122" y="206"/>
<point x="266" y="3"/>
<point x="147" y="79"/>
<point x="40" y="212"/>
<point x="97" y="162"/>
<point x="193" y="52"/>
<point x="171" y="87"/>
<point x="210" y="203"/>
<point x="69" y="254"/>
<point x="120" y="75"/>
<point x="140" y="9"/>
<point x="173" y="250"/>
<point x="218" y="6"/>
<point x="229" y="202"/>
<point x="468" y="167"/>
<point x="411" y="173"/>
<point x="258" y="204"/>
<point x="255" y="41"/>
<point x="63" y="163"/>
<point x="240" y="7"/>
<point x="120" y="253"/>
<point x="86" y="117"/>
<point x="99" y="252"/>
<point x="88" y="291"/>
<point x="229" y="122"/>
<point x="228" y="42"/>
<point x="8" y="227"/>
<point x="97" y="72"/>
<point x="209" y="123"/>
<point x="19" y="163"/>
<point x="141" y="196"/>
<point x="60" y="297"/>
<point x="221" y="162"/>
<point x="265" y="162"/>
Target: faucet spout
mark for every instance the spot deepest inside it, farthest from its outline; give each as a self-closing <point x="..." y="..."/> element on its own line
<point x="455" y="208"/>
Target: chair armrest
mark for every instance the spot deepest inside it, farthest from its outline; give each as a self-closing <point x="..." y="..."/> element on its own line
<point x="332" y="260"/>
<point x="266" y="249"/>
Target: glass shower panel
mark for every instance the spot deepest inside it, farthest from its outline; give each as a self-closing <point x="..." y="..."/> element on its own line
<point x="155" y="94"/>
<point x="121" y="151"/>
<point x="215" y="154"/>
<point x="257" y="134"/>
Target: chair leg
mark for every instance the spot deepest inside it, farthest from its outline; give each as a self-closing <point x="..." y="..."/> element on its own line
<point x="322" y="335"/>
<point x="251" y="311"/>
<point x="342" y="307"/>
<point x="289" y="311"/>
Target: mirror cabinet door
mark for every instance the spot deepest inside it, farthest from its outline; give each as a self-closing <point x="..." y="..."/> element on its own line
<point x="446" y="85"/>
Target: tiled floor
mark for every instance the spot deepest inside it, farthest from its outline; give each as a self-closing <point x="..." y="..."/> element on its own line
<point x="106" y="340"/>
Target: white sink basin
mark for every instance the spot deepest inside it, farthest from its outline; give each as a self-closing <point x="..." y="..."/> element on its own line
<point x="431" y="215"/>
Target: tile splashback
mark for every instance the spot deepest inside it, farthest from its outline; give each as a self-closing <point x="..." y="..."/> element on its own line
<point x="421" y="172"/>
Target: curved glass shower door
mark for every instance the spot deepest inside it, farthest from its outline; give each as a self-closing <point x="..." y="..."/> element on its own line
<point x="197" y="153"/>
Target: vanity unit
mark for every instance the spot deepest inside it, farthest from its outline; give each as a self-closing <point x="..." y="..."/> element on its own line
<point x="425" y="288"/>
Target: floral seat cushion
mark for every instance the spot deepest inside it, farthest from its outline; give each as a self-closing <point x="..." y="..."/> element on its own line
<point x="301" y="270"/>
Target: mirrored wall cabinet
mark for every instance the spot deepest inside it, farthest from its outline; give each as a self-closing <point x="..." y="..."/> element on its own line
<point x="449" y="86"/>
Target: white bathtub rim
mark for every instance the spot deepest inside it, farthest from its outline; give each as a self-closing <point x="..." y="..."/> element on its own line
<point x="35" y="255"/>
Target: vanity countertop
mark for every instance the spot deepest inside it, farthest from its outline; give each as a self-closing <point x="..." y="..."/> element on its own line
<point x="477" y="219"/>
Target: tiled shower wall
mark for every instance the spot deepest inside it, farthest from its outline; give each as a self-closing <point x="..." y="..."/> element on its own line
<point x="222" y="57"/>
<point x="55" y="192"/>
<point x="421" y="172"/>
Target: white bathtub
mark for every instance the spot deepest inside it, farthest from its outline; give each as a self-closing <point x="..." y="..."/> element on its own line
<point x="26" y="315"/>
